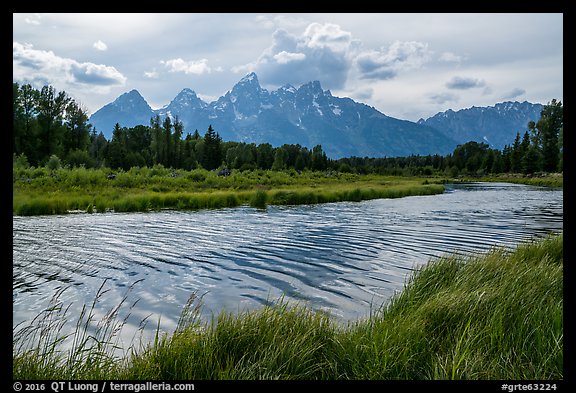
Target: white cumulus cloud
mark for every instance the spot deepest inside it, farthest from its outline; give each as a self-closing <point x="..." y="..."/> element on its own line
<point x="43" y="66"/>
<point x="328" y="53"/>
<point x="327" y="35"/>
<point x="197" y="67"/>
<point x="151" y="74"/>
<point x="321" y="52"/>
<point x="33" y="19"/>
<point x="286" y="57"/>
<point x="99" y="45"/>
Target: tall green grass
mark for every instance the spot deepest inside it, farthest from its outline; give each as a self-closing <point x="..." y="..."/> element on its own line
<point x="280" y="341"/>
<point x="548" y="180"/>
<point x="43" y="350"/>
<point x="494" y="316"/>
<point x="497" y="315"/>
<point x="37" y="191"/>
<point x="352" y="193"/>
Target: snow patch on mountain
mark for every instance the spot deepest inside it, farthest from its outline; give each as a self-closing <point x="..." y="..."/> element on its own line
<point x="309" y="115"/>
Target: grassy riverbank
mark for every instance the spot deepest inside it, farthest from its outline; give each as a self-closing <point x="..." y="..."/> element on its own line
<point x="544" y="180"/>
<point x="39" y="191"/>
<point x="497" y="315"/>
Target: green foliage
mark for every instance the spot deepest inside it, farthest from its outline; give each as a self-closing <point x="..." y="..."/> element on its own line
<point x="531" y="161"/>
<point x="258" y="200"/>
<point x="53" y="163"/>
<point x="212" y="157"/>
<point x="20" y="161"/>
<point x="541" y="148"/>
<point x="77" y="157"/>
<point x="550" y="124"/>
<point x="539" y="179"/>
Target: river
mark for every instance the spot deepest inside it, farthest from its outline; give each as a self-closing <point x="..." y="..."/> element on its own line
<point x="344" y="258"/>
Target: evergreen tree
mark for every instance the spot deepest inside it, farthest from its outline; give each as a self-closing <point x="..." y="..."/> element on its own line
<point x="177" y="143"/>
<point x="117" y="151"/>
<point x="139" y="142"/>
<point x="77" y="128"/>
<point x="98" y="148"/>
<point x="498" y="163"/>
<point x="525" y="144"/>
<point x="516" y="155"/>
<point x="550" y="123"/>
<point x="264" y="156"/>
<point x="507" y="159"/>
<point x="438" y="162"/>
<point x="167" y="135"/>
<point x="531" y="162"/>
<point x="157" y="144"/>
<point x="561" y="150"/>
<point x="212" y="149"/>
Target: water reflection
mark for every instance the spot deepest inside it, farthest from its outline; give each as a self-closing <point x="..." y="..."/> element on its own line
<point x="345" y="258"/>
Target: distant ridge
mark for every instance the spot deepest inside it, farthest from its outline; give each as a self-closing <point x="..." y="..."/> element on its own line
<point x="129" y="110"/>
<point x="496" y="125"/>
<point x="307" y="115"/>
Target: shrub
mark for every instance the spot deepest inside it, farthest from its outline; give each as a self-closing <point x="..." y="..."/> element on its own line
<point x="196" y="176"/>
<point x="53" y="163"/>
<point x="20" y="161"/>
<point x="77" y="157"/>
<point x="258" y="200"/>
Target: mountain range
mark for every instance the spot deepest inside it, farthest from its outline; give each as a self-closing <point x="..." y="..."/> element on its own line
<point x="496" y="125"/>
<point x="309" y="116"/>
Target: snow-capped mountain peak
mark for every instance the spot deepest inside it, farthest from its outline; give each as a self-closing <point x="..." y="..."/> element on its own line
<point x="308" y="115"/>
<point x="287" y="88"/>
<point x="188" y="97"/>
<point x="249" y="82"/>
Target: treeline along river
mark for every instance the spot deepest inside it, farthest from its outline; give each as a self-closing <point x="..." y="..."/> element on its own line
<point x="344" y="258"/>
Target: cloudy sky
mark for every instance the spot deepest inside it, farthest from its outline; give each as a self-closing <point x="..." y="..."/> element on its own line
<point x="408" y="66"/>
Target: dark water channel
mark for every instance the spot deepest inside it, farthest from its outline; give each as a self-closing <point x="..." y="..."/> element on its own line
<point x="345" y="258"/>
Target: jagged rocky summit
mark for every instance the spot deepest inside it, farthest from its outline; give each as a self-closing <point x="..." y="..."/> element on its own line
<point x="307" y="115"/>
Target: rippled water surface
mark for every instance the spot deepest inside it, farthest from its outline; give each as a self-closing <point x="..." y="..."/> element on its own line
<point x="345" y="258"/>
